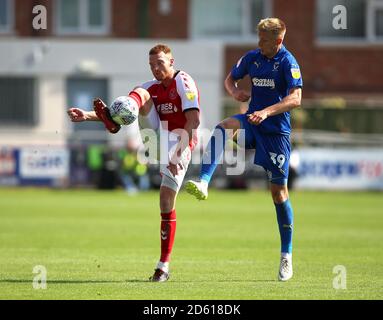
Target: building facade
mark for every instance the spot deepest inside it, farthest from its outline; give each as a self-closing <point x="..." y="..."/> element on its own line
<point x="45" y="43"/>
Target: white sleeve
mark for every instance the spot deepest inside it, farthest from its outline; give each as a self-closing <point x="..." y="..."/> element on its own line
<point x="188" y="91"/>
<point x="153" y="119"/>
<point x="148" y="84"/>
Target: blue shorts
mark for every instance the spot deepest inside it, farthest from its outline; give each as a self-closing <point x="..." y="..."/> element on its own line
<point x="272" y="150"/>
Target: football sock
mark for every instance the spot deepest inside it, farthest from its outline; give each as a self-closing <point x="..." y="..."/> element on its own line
<point x="135" y="96"/>
<point x="164" y="266"/>
<point x="213" y="153"/>
<point x="285" y="218"/>
<point x="168" y="231"/>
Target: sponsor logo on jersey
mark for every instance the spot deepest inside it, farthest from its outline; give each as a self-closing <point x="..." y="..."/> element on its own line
<point x="276" y="66"/>
<point x="296" y="73"/>
<point x="173" y="94"/>
<point x="257" y="64"/>
<point x="190" y="95"/>
<point x="167" y="108"/>
<point x="263" y="83"/>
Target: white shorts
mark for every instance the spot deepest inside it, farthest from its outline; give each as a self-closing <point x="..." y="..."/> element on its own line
<point x="166" y="148"/>
<point x="168" y="180"/>
<point x="175" y="182"/>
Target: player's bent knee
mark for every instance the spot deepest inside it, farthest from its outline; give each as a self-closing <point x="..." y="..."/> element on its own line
<point x="166" y="204"/>
<point x="279" y="193"/>
<point x="230" y="123"/>
<point x="279" y="198"/>
<point x="167" y="198"/>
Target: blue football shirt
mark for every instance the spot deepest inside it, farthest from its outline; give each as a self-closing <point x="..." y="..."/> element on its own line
<point x="272" y="79"/>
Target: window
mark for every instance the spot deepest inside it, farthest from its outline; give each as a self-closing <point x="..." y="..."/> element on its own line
<point x="227" y="19"/>
<point x="17" y="101"/>
<point x="82" y="16"/>
<point x="375" y="26"/>
<point x="80" y="93"/>
<point x="6" y="16"/>
<point x="364" y="21"/>
<point x="379" y="22"/>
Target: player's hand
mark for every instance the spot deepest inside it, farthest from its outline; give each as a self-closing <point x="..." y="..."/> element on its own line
<point x="77" y="115"/>
<point x="174" y="168"/>
<point x="241" y="95"/>
<point x="257" y="117"/>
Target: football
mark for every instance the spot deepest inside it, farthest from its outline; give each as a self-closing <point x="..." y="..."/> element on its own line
<point x="124" y="110"/>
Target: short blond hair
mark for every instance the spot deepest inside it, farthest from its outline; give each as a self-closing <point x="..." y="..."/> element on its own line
<point x="274" y="26"/>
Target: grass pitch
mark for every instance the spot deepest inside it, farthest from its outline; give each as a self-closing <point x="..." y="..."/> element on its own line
<point x="104" y="245"/>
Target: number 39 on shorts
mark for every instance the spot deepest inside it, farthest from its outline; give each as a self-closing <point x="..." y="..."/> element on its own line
<point x="280" y="158"/>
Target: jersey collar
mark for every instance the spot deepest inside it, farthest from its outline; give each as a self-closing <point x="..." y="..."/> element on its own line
<point x="279" y="53"/>
<point x="277" y="56"/>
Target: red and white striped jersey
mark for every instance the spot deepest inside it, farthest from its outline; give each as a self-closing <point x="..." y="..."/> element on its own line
<point x="171" y="102"/>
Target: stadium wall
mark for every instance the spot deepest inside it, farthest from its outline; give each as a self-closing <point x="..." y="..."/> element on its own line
<point x="123" y="63"/>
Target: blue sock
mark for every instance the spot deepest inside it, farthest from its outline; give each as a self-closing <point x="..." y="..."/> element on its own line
<point x="285" y="223"/>
<point x="213" y="153"/>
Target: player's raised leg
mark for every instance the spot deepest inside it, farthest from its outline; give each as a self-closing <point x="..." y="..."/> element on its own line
<point x="112" y="117"/>
<point x="102" y="112"/>
<point x="212" y="157"/>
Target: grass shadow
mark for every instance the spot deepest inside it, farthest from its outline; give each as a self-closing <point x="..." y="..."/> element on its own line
<point x="72" y="281"/>
<point x="132" y="281"/>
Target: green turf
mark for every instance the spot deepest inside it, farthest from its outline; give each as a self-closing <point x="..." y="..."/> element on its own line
<point x="104" y="245"/>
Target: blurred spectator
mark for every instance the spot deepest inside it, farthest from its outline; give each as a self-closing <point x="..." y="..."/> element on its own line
<point x="95" y="154"/>
<point x="134" y="175"/>
<point x="108" y="175"/>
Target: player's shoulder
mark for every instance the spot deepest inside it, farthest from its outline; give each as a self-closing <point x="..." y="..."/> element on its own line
<point x="254" y="52"/>
<point x="250" y="56"/>
<point x="184" y="80"/>
<point x="288" y="57"/>
<point x="150" y="84"/>
<point x="183" y="76"/>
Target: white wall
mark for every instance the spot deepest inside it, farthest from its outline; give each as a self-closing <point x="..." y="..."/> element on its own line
<point x="51" y="128"/>
<point x="124" y="63"/>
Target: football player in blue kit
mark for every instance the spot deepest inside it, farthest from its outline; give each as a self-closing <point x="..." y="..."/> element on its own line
<point x="276" y="90"/>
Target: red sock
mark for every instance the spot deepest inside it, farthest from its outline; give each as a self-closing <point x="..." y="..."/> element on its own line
<point x="168" y="232"/>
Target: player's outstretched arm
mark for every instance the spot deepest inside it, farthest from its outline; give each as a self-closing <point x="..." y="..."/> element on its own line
<point x="234" y="91"/>
<point x="80" y="115"/>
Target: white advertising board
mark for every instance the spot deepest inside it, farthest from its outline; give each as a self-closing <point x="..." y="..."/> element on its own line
<point x="44" y="163"/>
<point x="356" y="169"/>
